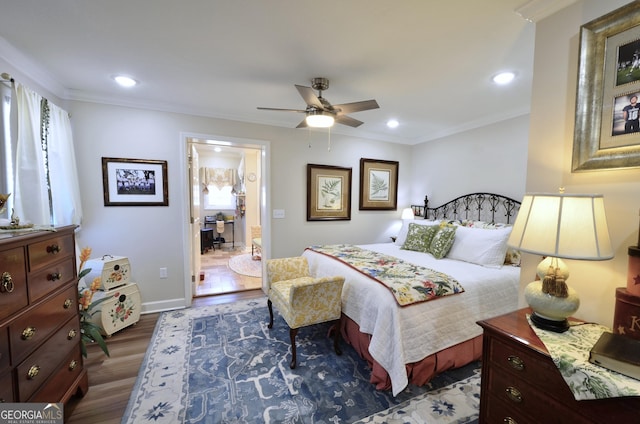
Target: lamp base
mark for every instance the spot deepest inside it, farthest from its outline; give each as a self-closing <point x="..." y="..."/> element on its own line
<point x="549" y="324"/>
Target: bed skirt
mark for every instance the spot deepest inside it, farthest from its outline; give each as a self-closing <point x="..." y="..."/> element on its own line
<point x="419" y="373"/>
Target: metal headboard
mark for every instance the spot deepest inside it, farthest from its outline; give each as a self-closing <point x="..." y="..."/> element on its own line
<point x="487" y="207"/>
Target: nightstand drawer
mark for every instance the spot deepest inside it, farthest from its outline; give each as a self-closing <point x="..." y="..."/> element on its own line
<point x="525" y="365"/>
<point x="522" y="400"/>
<point x="68" y="372"/>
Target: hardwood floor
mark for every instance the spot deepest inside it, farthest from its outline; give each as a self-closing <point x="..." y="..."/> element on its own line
<point x="218" y="278"/>
<point x="111" y="379"/>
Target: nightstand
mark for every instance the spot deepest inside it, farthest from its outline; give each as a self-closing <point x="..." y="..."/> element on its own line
<point x="521" y="384"/>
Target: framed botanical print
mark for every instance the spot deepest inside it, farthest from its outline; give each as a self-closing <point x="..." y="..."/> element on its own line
<point x="328" y="193"/>
<point x="378" y="184"/>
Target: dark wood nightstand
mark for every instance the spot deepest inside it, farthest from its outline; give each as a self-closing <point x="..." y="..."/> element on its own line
<point x="521" y="384"/>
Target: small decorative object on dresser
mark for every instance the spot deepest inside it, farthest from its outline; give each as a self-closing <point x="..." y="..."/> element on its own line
<point x="521" y="383"/>
<point x="40" y="359"/>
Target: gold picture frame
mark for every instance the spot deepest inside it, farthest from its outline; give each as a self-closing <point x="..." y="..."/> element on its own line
<point x="328" y="193"/>
<point x="607" y="81"/>
<point x="134" y="182"/>
<point x="378" y="184"/>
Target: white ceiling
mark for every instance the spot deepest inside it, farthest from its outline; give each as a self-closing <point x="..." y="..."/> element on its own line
<point x="428" y="63"/>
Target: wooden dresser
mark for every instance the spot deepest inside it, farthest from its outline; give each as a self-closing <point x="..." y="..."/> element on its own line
<point x="521" y="384"/>
<point x="40" y="359"/>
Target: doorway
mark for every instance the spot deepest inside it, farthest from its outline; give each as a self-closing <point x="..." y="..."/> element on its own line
<point x="222" y="267"/>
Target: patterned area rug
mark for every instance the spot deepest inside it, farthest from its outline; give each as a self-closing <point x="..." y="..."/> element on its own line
<point x="221" y="364"/>
<point x="246" y="265"/>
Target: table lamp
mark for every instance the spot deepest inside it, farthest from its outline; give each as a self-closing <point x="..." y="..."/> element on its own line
<point x="407" y="213"/>
<point x="569" y="226"/>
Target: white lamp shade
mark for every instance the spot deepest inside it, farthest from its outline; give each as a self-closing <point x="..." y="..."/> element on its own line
<point x="407" y="213"/>
<point x="319" y="120"/>
<point x="570" y="226"/>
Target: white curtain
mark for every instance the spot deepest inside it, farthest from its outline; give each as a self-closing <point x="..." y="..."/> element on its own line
<point x="31" y="197"/>
<point x="63" y="173"/>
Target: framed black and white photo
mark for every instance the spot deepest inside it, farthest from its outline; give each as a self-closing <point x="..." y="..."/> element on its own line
<point x="607" y="126"/>
<point x="378" y="184"/>
<point x="328" y="193"/>
<point x="134" y="182"/>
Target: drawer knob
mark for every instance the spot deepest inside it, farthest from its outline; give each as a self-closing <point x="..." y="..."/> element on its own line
<point x="516" y="362"/>
<point x="54" y="276"/>
<point x="33" y="372"/>
<point x="72" y="365"/>
<point x="72" y="334"/>
<point x="7" y="282"/>
<point x="67" y="303"/>
<point x="514" y="394"/>
<point x="509" y="420"/>
<point x="28" y="333"/>
<point x="53" y="249"/>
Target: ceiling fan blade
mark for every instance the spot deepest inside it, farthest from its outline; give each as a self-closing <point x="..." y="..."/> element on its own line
<point x="282" y="110"/>
<point x="356" y="106"/>
<point x="347" y="120"/>
<point x="303" y="124"/>
<point x="309" y="96"/>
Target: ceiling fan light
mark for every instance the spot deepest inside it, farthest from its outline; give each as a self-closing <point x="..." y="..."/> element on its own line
<point x="319" y="120"/>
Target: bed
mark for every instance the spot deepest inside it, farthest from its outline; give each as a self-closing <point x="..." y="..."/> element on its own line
<point x="410" y="344"/>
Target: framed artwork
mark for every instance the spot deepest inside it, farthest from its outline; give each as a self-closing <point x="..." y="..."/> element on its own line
<point x="134" y="182"/>
<point x="378" y="185"/>
<point x="607" y="130"/>
<point x="328" y="193"/>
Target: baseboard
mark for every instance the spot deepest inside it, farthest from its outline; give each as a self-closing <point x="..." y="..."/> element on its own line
<point x="165" y="305"/>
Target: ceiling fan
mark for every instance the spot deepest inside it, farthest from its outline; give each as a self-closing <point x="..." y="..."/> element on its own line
<point x="320" y="113"/>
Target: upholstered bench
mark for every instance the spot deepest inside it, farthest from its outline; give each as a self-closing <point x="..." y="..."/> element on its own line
<point x="303" y="300"/>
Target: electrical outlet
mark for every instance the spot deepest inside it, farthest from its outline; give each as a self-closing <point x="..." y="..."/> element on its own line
<point x="163" y="272"/>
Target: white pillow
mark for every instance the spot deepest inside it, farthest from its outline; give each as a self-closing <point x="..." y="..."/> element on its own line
<point x="486" y="247"/>
<point x="402" y="235"/>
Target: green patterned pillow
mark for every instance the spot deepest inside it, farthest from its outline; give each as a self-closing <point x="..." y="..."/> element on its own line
<point x="419" y="237"/>
<point x="442" y="241"/>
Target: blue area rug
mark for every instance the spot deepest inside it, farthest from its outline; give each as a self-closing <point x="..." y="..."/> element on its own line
<point x="221" y="364"/>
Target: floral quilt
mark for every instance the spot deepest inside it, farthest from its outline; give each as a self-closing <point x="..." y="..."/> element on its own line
<point x="408" y="282"/>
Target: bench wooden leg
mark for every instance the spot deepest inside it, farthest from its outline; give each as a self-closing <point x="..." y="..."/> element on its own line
<point x="336" y="337"/>
<point x="270" y="305"/>
<point x="292" y="334"/>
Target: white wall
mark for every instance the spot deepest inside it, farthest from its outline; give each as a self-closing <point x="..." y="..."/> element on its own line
<point x="550" y="151"/>
<point x="152" y="237"/>
<point x="488" y="159"/>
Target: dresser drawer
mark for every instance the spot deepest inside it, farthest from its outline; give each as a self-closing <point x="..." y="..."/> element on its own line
<point x="5" y="360"/>
<point x="66" y="374"/>
<point x="13" y="282"/>
<point x="45" y="252"/>
<point x="28" y="332"/>
<point x="42" y="363"/>
<point x="6" y="388"/>
<point x="51" y="278"/>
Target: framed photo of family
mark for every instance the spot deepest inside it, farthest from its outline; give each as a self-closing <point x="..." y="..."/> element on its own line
<point x="328" y="193"/>
<point x="607" y="126"/>
<point x="378" y="184"/>
<point x="134" y="182"/>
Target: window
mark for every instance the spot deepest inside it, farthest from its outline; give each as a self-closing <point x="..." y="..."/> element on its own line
<point x="219" y="198"/>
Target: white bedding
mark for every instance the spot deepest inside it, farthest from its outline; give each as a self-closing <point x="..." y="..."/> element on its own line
<point x="402" y="335"/>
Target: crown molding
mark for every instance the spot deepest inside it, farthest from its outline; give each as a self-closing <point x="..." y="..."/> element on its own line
<point x="535" y="10"/>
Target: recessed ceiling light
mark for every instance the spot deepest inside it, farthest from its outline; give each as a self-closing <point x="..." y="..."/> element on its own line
<point x="125" y="81"/>
<point x="504" y="78"/>
<point x="392" y="123"/>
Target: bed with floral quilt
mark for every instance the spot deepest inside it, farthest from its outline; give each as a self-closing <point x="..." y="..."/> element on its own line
<point x="410" y="307"/>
